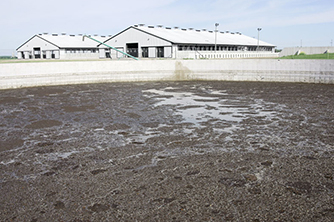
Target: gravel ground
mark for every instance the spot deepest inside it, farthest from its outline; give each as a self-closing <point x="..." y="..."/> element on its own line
<point x="170" y="151"/>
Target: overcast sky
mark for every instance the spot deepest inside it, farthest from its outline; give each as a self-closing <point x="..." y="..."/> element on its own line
<point x="284" y="23"/>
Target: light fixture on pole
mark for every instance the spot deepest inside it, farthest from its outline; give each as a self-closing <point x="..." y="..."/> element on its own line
<point x="216" y="25"/>
<point x="258" y="38"/>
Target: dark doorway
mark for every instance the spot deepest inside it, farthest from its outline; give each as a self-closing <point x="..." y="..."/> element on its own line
<point x="37" y="53"/>
<point x="132" y="49"/>
<point x="160" y="52"/>
<point x="108" y="55"/>
<point x="144" y="52"/>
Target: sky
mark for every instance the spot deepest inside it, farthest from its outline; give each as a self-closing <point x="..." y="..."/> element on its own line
<point x="284" y="23"/>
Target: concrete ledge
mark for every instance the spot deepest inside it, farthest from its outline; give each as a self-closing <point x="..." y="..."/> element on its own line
<point x="17" y="75"/>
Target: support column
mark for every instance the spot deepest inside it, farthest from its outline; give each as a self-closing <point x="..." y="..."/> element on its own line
<point x="102" y="53"/>
<point x="152" y="52"/>
<point x="48" y="54"/>
<point x="56" y="52"/>
<point x="26" y="55"/>
<point x="19" y="55"/>
<point x="140" y="53"/>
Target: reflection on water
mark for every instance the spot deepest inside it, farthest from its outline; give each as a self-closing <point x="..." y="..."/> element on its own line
<point x="214" y="106"/>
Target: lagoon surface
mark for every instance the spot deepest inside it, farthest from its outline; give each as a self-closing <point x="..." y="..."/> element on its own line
<point x="164" y="151"/>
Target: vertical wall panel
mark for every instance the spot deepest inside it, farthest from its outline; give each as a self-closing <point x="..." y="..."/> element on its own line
<point x="168" y="52"/>
<point x="152" y="52"/>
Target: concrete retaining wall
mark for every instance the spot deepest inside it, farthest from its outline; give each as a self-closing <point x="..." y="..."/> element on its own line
<point x="16" y="75"/>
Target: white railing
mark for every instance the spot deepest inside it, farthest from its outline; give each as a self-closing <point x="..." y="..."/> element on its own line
<point x="224" y="54"/>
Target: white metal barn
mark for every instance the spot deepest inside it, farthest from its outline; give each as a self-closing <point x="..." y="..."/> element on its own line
<point x="147" y="42"/>
<point x="54" y="46"/>
<point x="165" y="42"/>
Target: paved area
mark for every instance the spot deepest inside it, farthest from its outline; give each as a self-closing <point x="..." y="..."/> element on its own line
<point x="170" y="151"/>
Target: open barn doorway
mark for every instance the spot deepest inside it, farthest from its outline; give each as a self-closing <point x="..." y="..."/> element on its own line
<point x="37" y="53"/>
<point x="132" y="49"/>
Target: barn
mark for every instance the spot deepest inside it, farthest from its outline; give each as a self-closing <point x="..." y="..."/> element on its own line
<point x="59" y="46"/>
<point x="142" y="41"/>
<point x="165" y="42"/>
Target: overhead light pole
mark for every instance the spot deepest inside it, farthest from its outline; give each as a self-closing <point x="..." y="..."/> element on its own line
<point x="216" y="30"/>
<point x="258" y="38"/>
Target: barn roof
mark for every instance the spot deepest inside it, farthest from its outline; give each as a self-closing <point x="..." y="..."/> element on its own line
<point x="193" y="36"/>
<point x="68" y="41"/>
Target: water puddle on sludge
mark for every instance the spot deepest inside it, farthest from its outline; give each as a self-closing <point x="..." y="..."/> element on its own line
<point x="214" y="107"/>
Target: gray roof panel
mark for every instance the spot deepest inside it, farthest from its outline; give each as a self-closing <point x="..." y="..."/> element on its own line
<point x="72" y="41"/>
<point x="182" y="36"/>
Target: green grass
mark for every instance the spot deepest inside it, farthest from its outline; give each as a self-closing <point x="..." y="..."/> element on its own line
<point x="304" y="56"/>
<point x="7" y="57"/>
<point x="15" y="60"/>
